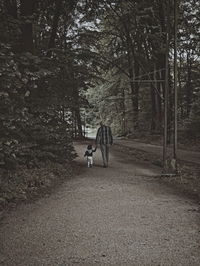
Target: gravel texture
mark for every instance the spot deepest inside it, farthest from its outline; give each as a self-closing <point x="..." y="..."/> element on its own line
<point x="119" y="215"/>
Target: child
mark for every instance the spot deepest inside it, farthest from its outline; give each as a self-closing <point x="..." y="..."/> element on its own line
<point x="89" y="154"/>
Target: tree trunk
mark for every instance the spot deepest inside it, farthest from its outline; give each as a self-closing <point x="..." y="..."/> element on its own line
<point x="170" y="111"/>
<point x="75" y="125"/>
<point x="134" y="89"/>
<point x="63" y="113"/>
<point x="79" y="122"/>
<point x="77" y="110"/>
<point x="180" y="87"/>
<point x="133" y="69"/>
<point x="123" y="112"/>
<point x="156" y="101"/>
<point x="136" y="96"/>
<point x="153" y="110"/>
<point x="26" y="8"/>
<point x="54" y="25"/>
<point x="159" y="101"/>
<point x="160" y="75"/>
<point x="11" y="8"/>
<point x="189" y="91"/>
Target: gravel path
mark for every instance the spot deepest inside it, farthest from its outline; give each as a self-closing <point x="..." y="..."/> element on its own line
<point x="119" y="215"/>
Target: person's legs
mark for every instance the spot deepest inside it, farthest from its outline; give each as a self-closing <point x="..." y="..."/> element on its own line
<point x="91" y="161"/>
<point x="88" y="161"/>
<point x="103" y="152"/>
<point x="107" y="154"/>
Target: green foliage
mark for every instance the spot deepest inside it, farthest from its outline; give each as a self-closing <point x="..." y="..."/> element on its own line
<point x="31" y="126"/>
<point x="34" y="89"/>
<point x="132" y="34"/>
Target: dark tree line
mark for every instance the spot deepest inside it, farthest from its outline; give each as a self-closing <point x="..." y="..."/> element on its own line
<point x="42" y="76"/>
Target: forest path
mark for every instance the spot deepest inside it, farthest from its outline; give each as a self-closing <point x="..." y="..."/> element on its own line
<point x="119" y="215"/>
<point x="184" y="155"/>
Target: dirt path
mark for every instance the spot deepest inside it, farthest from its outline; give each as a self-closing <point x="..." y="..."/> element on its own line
<point x="115" y="216"/>
<point x="185" y="155"/>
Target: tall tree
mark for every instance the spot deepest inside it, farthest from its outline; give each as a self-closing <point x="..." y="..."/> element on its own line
<point x="26" y="10"/>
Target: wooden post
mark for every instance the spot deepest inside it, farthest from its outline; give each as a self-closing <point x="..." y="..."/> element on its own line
<point x="175" y="84"/>
<point x="165" y="164"/>
<point x="123" y="111"/>
<point x="84" y="124"/>
<point x="75" y="125"/>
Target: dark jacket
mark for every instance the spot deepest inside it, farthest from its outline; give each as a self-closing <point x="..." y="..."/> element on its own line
<point x="89" y="152"/>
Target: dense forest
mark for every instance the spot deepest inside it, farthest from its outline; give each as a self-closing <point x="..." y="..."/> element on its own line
<point x="133" y="44"/>
<point x="67" y="64"/>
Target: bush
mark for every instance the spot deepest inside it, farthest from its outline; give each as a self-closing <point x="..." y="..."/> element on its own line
<point x="31" y="127"/>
